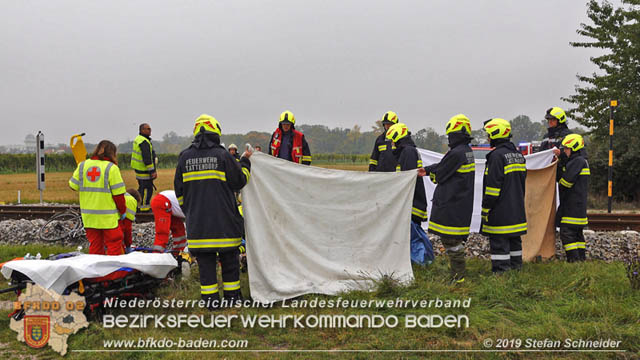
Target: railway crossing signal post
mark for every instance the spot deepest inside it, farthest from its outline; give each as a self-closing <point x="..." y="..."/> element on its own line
<point x="612" y="105"/>
<point x="40" y="162"/>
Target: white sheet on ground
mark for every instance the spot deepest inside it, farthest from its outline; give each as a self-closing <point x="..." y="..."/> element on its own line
<point x="534" y="161"/>
<point x="56" y="275"/>
<point x="315" y="230"/>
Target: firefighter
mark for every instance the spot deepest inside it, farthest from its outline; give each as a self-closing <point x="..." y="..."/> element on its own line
<point x="556" y="131"/>
<point x="143" y="163"/>
<point x="169" y="220"/>
<point x="408" y="158"/>
<point x="503" y="212"/>
<point x="101" y="193"/>
<point x="233" y="150"/>
<point x="453" y="198"/>
<point x="205" y="179"/>
<point x="573" y="184"/>
<point x="288" y="143"/>
<point x="132" y="199"/>
<point x="382" y="158"/>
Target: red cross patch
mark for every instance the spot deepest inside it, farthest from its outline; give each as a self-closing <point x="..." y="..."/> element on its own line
<point x="93" y="174"/>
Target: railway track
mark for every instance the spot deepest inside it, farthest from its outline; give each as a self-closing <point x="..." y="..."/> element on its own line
<point x="619" y="221"/>
<point x="597" y="221"/>
<point x="30" y="212"/>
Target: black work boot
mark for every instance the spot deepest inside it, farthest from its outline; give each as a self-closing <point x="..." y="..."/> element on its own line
<point x="573" y="255"/>
<point x="232" y="297"/>
<point x="212" y="302"/>
<point x="582" y="254"/>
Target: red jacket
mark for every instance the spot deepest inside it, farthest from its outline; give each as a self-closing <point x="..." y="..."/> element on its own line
<point x="300" y="152"/>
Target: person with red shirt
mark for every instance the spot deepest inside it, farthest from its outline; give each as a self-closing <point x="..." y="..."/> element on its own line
<point x="288" y="143"/>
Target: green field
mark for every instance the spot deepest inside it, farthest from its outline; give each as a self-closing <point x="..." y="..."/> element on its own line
<point x="57" y="184"/>
<point x="58" y="191"/>
<point x="552" y="300"/>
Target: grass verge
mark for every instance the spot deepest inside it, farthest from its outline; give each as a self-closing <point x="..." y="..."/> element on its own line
<point x="552" y="300"/>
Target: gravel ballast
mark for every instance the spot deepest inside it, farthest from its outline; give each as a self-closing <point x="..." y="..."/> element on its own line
<point x="602" y="245"/>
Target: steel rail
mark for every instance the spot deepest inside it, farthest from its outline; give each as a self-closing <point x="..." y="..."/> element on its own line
<point x="31" y="212"/>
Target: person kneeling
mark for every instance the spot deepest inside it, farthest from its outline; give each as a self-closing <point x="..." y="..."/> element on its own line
<point x="169" y="219"/>
<point x="132" y="199"/>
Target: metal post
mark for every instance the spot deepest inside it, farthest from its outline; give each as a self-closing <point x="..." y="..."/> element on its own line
<point x="40" y="162"/>
<point x="612" y="105"/>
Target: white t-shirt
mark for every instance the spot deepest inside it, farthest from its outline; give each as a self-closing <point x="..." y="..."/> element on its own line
<point x="175" y="206"/>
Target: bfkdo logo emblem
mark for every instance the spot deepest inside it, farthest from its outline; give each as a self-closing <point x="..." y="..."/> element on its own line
<point x="36" y="330"/>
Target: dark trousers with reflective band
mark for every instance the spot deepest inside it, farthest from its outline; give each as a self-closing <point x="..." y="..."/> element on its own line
<point x="455" y="251"/>
<point x="506" y="253"/>
<point x="230" y="264"/>
<point x="145" y="188"/>
<point x="573" y="243"/>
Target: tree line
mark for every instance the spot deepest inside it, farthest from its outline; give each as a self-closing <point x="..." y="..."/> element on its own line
<point x="354" y="141"/>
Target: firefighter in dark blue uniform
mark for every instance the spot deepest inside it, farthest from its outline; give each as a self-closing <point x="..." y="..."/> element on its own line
<point x="206" y="177"/>
<point x="574" y="186"/>
<point x="556" y="131"/>
<point x="409" y="159"/>
<point x="382" y="158"/>
<point x="503" y="212"/>
<point x="453" y="198"/>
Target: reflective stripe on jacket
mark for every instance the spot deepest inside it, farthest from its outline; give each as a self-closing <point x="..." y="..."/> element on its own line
<point x="300" y="152"/>
<point x="205" y="180"/>
<point x="142" y="162"/>
<point x="409" y="159"/>
<point x="554" y="137"/>
<point x="504" y="180"/>
<point x="132" y="206"/>
<point x="97" y="181"/>
<point x="453" y="198"/>
<point x="382" y="158"/>
<point x="573" y="184"/>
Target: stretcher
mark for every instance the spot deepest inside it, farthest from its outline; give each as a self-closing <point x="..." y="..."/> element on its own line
<point x="96" y="277"/>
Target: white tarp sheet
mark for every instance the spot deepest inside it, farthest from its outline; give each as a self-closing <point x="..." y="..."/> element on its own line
<point x="315" y="230"/>
<point x="56" y="275"/>
<point x="534" y="161"/>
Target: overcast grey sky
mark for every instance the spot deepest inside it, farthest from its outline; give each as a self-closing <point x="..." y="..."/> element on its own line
<point x="102" y="67"/>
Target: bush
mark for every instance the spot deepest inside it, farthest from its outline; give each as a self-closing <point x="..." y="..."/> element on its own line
<point x="626" y="173"/>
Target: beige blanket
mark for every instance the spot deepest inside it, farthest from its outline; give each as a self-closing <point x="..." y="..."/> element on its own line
<point x="541" y="211"/>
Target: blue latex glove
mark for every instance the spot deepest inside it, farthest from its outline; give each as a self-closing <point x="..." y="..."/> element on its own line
<point x="123" y="216"/>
